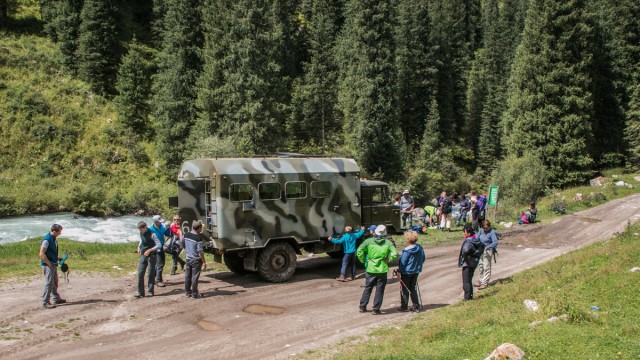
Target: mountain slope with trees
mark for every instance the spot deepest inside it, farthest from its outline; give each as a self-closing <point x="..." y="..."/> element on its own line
<point x="102" y="100"/>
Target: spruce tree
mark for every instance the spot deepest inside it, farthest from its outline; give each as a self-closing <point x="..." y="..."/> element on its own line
<point x="174" y="87"/>
<point x="416" y="69"/>
<point x="134" y="88"/>
<point x="632" y="131"/>
<point x="98" y="46"/>
<point x="244" y="89"/>
<point x="314" y="125"/>
<point x="68" y="27"/>
<point x="368" y="88"/>
<point x="550" y="103"/>
<point x="431" y="139"/>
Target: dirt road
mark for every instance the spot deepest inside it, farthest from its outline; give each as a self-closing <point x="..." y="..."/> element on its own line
<point x="243" y="317"/>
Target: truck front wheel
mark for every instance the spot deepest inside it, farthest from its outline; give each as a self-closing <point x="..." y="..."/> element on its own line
<point x="234" y="262"/>
<point x="277" y="262"/>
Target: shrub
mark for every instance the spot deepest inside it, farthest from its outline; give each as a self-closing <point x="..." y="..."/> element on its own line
<point x="521" y="179"/>
<point x="558" y="206"/>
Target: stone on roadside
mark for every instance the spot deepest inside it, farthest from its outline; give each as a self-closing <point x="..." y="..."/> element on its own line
<point x="535" y="323"/>
<point x="577" y="197"/>
<point x="531" y="305"/>
<point x="506" y="351"/>
<point x="634" y="269"/>
<point x="636" y="178"/>
<point x="599" y="181"/>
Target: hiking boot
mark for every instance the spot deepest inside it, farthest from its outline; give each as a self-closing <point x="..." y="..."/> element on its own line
<point x="363" y="310"/>
<point x="138" y="295"/>
<point x="340" y="278"/>
<point x="403" y="309"/>
<point x="160" y="284"/>
<point x="376" y="312"/>
<point x="48" y="306"/>
<point x="195" y="295"/>
<point x="416" y="309"/>
<point x="59" y="301"/>
<point x="483" y="286"/>
<point x="353" y="277"/>
<point x="150" y="295"/>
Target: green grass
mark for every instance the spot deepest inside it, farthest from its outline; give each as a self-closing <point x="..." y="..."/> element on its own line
<point x="592" y="196"/>
<point x="597" y="275"/>
<point x="21" y="259"/>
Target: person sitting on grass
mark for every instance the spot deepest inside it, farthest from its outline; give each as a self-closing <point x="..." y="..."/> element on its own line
<point x="348" y="241"/>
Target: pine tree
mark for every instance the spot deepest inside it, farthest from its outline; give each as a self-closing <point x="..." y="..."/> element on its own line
<point x="431" y="140"/>
<point x="315" y="124"/>
<point x="68" y="31"/>
<point x="174" y="86"/>
<point x="416" y="69"/>
<point x="455" y="29"/>
<point x="244" y="89"/>
<point x="632" y="131"/>
<point x="550" y="104"/>
<point x="368" y="88"/>
<point x="134" y="88"/>
<point x="98" y="46"/>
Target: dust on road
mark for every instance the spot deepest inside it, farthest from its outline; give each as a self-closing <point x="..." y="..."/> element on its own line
<point x="243" y="317"/>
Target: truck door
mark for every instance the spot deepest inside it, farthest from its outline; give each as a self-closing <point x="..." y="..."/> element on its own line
<point x="381" y="209"/>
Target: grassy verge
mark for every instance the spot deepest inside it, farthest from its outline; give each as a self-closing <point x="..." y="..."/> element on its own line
<point x="21" y="259"/>
<point x="559" y="202"/>
<point x="597" y="275"/>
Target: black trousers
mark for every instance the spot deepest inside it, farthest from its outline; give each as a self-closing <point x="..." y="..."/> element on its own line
<point x="467" y="282"/>
<point x="159" y="265"/>
<point x="409" y="289"/>
<point x="379" y="281"/>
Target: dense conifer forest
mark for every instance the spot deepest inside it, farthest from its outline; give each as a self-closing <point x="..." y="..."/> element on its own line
<point x="427" y="94"/>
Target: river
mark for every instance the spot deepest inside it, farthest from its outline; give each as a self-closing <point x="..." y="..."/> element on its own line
<point x="120" y="229"/>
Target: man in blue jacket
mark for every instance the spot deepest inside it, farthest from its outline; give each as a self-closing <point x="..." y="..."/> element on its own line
<point x="160" y="231"/>
<point x="49" y="260"/>
<point x="348" y="241"/>
<point x="410" y="266"/>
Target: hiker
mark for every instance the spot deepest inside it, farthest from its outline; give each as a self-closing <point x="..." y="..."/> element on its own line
<point x="372" y="230"/>
<point x="533" y="211"/>
<point x="195" y="259"/>
<point x="348" y="241"/>
<point x="379" y="253"/>
<point x="147" y="248"/>
<point x="406" y="205"/>
<point x="409" y="267"/>
<point x="470" y="251"/>
<point x="475" y="211"/>
<point x="175" y="247"/>
<point x="49" y="261"/>
<point x="430" y="212"/>
<point x="465" y="206"/>
<point x="489" y="239"/>
<point x="160" y="231"/>
<point x="446" y="207"/>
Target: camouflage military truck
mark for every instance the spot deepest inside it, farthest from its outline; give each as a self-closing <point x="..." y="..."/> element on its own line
<point x="261" y="212"/>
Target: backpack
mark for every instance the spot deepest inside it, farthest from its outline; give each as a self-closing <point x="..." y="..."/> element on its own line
<point x="446" y="206"/>
<point x="481" y="204"/>
<point x="478" y="250"/>
<point x="525" y="218"/>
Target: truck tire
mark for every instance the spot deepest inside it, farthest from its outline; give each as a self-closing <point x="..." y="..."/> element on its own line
<point x="277" y="262"/>
<point x="234" y="262"/>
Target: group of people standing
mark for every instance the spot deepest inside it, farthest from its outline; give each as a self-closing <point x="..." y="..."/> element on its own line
<point x="152" y="248"/>
<point x="376" y="252"/>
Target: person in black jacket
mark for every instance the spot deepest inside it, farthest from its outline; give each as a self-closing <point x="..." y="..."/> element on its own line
<point x="470" y="252"/>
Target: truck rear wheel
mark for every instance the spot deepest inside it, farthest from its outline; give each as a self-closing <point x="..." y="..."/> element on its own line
<point x="277" y="262"/>
<point x="234" y="262"/>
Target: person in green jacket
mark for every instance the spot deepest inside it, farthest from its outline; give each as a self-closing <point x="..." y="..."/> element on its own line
<point x="379" y="252"/>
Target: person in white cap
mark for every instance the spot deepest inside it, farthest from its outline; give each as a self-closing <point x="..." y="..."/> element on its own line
<point x="160" y="230"/>
<point x="379" y="252"/>
<point x="406" y="205"/>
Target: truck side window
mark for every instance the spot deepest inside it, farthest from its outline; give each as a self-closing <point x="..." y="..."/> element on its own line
<point x="296" y="190"/>
<point x="320" y="189"/>
<point x="241" y="192"/>
<point x="269" y="191"/>
<point x="377" y="195"/>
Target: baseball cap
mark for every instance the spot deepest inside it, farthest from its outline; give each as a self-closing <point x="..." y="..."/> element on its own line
<point x="157" y="218"/>
<point x="381" y="230"/>
<point x="405" y="192"/>
<point x="373" y="227"/>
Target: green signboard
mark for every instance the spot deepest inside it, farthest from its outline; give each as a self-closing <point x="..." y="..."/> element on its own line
<point x="493" y="195"/>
